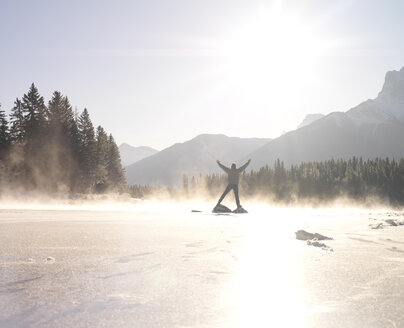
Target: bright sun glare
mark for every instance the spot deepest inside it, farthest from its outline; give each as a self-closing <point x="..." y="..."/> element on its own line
<point x="276" y="51"/>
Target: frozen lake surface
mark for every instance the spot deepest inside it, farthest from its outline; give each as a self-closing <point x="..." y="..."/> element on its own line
<point x="162" y="266"/>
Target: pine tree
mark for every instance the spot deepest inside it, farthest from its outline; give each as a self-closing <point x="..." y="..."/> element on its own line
<point x="53" y="143"/>
<point x="17" y="122"/>
<point x="55" y="110"/>
<point x="15" y="167"/>
<point x="35" y="153"/>
<point x="68" y="117"/>
<point x="102" y="149"/>
<point x="87" y="152"/>
<point x="75" y="146"/>
<point x="60" y="113"/>
<point x="116" y="176"/>
<point x="4" y="134"/>
<point x="62" y="161"/>
<point x="34" y="112"/>
<point x="71" y="140"/>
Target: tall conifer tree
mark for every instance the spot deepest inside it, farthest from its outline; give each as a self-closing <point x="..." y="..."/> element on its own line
<point x="116" y="176"/>
<point x="36" y="165"/>
<point x="17" y="122"/>
<point x="55" y="110"/>
<point x="87" y="160"/>
<point x="63" y="162"/>
<point x="4" y="134"/>
<point x="102" y="159"/>
<point x="34" y="112"/>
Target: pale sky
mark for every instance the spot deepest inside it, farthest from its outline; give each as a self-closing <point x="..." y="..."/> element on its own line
<point x="158" y="72"/>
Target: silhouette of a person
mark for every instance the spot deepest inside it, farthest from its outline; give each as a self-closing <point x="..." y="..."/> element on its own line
<point x="233" y="177"/>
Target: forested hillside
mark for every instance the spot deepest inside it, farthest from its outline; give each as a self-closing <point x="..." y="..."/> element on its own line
<point x="51" y="148"/>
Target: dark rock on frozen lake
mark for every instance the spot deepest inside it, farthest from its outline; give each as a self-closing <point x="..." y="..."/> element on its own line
<point x="394" y="223"/>
<point x="376" y="226"/>
<point x="219" y="208"/>
<point x="240" y="210"/>
<point x="304" y="235"/>
<point x="316" y="243"/>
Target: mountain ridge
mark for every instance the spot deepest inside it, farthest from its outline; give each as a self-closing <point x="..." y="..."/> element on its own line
<point x="192" y="157"/>
<point x="130" y="154"/>
<point x="310" y="118"/>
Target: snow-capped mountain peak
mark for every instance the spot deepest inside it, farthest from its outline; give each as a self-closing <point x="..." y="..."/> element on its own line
<point x="388" y="106"/>
<point x="393" y="85"/>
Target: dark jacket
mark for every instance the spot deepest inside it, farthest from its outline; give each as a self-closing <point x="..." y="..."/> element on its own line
<point x="233" y="175"/>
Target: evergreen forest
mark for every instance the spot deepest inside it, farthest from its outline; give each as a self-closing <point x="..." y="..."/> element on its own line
<point x="356" y="179"/>
<point x="50" y="148"/>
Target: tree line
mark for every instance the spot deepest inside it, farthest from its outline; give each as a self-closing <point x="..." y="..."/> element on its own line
<point x="51" y="148"/>
<point x="354" y="178"/>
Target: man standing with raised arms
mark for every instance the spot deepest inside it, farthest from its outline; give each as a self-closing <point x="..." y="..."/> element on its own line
<point x="233" y="178"/>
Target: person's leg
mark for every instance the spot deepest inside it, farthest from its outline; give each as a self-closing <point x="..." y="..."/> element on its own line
<point x="226" y="191"/>
<point x="235" y="188"/>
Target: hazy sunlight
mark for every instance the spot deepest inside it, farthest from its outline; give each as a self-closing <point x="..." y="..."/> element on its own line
<point x="275" y="52"/>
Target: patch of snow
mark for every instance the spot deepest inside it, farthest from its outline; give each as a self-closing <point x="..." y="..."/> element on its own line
<point x="387" y="107"/>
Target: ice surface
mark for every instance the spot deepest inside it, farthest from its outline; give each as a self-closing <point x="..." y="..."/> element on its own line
<point x="167" y="267"/>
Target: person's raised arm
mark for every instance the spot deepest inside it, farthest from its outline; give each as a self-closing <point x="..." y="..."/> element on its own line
<point x="242" y="168"/>
<point x="224" y="168"/>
